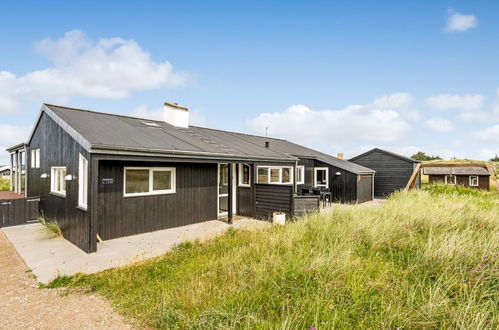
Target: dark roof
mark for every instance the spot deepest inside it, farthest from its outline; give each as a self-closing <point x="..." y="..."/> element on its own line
<point x="104" y="131"/>
<point x="386" y="152"/>
<point x="471" y="170"/>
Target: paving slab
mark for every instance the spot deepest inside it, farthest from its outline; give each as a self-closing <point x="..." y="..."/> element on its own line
<point x="50" y="257"/>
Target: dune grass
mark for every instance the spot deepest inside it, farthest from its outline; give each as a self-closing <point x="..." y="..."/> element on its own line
<point x="424" y="259"/>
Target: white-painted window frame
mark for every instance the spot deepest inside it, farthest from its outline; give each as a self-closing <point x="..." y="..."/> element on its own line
<point x="151" y="192"/>
<point x="291" y="174"/>
<point x="301" y="169"/>
<point x="82" y="182"/>
<point x="240" y="181"/>
<point x="477" y="181"/>
<point x="35" y="158"/>
<point x="54" y="172"/>
<point x="326" y="185"/>
<point x="451" y="176"/>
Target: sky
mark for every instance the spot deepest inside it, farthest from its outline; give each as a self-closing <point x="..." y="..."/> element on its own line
<point x="337" y="76"/>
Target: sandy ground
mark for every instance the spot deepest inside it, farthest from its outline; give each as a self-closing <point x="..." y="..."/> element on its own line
<point x="24" y="306"/>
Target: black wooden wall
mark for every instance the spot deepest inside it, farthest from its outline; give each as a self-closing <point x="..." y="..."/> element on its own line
<point x="343" y="186"/>
<point x="271" y="198"/>
<point x="392" y="173"/>
<point x="195" y="200"/>
<point x="58" y="148"/>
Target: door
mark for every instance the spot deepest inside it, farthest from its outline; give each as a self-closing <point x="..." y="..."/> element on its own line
<point x="223" y="189"/>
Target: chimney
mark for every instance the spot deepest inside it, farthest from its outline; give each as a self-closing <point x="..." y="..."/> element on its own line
<point x="340" y="155"/>
<point x="176" y="115"/>
<point x="267" y="144"/>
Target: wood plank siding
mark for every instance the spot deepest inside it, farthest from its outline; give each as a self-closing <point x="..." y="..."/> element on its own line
<point x="18" y="211"/>
<point x="195" y="200"/>
<point x="344" y="187"/>
<point x="305" y="204"/>
<point x="58" y="148"/>
<point x="271" y="198"/>
<point x="392" y="172"/>
<point x="463" y="180"/>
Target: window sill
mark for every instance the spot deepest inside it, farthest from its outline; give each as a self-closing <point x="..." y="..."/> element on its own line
<point x="149" y="194"/>
<point x="244" y="186"/>
<point x="83" y="208"/>
<point x="58" y="194"/>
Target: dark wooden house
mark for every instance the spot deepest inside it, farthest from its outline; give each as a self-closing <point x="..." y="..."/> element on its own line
<point x="477" y="177"/>
<point x="108" y="176"/>
<point x="393" y="171"/>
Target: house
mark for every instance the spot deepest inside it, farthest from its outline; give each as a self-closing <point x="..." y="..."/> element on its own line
<point x="468" y="176"/>
<point x="103" y="176"/>
<point x="5" y="171"/>
<point x="392" y="170"/>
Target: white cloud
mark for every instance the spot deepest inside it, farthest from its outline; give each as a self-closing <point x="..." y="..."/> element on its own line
<point x="466" y="102"/>
<point x="11" y="135"/>
<point x="196" y="116"/>
<point x="457" y="22"/>
<point x="107" y="69"/>
<point x="439" y="125"/>
<point x="489" y="135"/>
<point x="374" y="122"/>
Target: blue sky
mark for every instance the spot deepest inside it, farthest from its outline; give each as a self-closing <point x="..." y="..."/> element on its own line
<point x="337" y="76"/>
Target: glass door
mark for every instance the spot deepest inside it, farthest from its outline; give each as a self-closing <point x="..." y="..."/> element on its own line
<point x="223" y="189"/>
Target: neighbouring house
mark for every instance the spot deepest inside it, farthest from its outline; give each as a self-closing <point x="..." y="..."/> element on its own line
<point x="393" y="171"/>
<point x="4" y="171"/>
<point x="105" y="176"/>
<point x="468" y="176"/>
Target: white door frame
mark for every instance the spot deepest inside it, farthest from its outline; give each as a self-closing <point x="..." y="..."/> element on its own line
<point x="234" y="190"/>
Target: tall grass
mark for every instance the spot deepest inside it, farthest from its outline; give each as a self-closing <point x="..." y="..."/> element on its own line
<point x="424" y="259"/>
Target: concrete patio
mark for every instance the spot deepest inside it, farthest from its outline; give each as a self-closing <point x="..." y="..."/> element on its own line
<point x="51" y="257"/>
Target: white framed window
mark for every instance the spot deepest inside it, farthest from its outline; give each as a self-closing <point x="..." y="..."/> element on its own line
<point x="82" y="182"/>
<point x="321" y="177"/>
<point x="35" y="158"/>
<point x="450" y="179"/>
<point x="244" y="175"/>
<point x="143" y="181"/>
<point x="275" y="174"/>
<point x="473" y="181"/>
<point x="57" y="180"/>
<point x="300" y="174"/>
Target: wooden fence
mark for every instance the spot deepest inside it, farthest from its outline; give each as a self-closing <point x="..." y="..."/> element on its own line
<point x="18" y="211"/>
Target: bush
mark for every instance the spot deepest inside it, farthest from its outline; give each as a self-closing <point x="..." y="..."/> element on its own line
<point x="4" y="184"/>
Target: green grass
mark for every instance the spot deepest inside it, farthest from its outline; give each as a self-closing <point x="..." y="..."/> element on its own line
<point x="50" y="227"/>
<point x="4" y="184"/>
<point x="427" y="258"/>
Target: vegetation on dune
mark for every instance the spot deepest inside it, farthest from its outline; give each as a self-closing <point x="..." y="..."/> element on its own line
<point x="426" y="258"/>
<point x="422" y="156"/>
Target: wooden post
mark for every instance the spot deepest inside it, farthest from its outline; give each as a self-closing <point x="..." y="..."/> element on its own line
<point x="412" y="179"/>
<point x="229" y="197"/>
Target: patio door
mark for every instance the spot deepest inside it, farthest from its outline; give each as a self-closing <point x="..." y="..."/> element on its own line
<point x="223" y="189"/>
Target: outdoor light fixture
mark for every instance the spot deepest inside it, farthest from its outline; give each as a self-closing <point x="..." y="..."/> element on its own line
<point x="68" y="177"/>
<point x="338" y="173"/>
<point x="44" y="176"/>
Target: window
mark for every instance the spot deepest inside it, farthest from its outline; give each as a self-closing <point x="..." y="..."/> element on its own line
<point x="142" y="181"/>
<point x="321" y="177"/>
<point x="300" y="174"/>
<point x="450" y="179"/>
<point x="275" y="174"/>
<point x="473" y="181"/>
<point x="244" y="175"/>
<point x="35" y="158"/>
<point x="82" y="182"/>
<point x="57" y="181"/>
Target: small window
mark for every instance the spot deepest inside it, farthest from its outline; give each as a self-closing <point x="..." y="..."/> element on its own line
<point x="83" y="183"/>
<point x="35" y="158"/>
<point x="321" y="177"/>
<point x="450" y="179"/>
<point x="473" y="181"/>
<point x="275" y="175"/>
<point x="141" y="181"/>
<point x="57" y="181"/>
<point x="244" y="175"/>
<point x="300" y="174"/>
